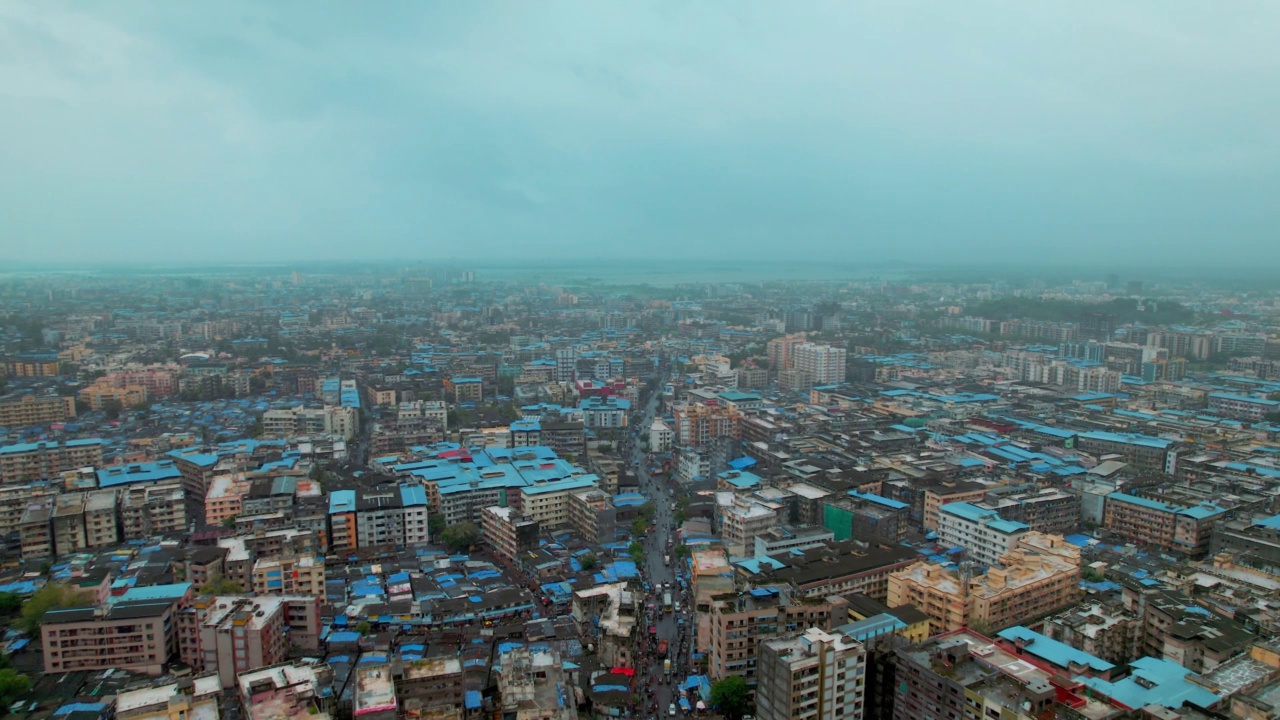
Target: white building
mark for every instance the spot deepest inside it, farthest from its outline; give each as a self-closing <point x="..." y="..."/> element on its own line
<point x="816" y="676"/>
<point x="742" y="522"/>
<point x="661" y="437"/>
<point x="825" y="364"/>
<point x="985" y="536"/>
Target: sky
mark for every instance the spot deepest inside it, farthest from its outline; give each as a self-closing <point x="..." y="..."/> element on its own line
<point x="937" y="132"/>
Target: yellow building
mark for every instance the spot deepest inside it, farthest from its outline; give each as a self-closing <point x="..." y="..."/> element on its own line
<point x="99" y="394"/>
<point x="1040" y="575"/>
<point x="32" y="410"/>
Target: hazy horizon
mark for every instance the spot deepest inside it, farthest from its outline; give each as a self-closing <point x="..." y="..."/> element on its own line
<point x="1126" y="135"/>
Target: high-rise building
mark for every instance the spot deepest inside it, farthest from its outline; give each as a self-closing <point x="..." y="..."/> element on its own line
<point x="816" y="676"/>
<point x="825" y="364"/>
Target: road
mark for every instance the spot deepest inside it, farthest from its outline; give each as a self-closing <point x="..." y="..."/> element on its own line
<point x="657" y="545"/>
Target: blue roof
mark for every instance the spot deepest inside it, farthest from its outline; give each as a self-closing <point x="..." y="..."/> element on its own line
<point x="742" y="463"/>
<point x="1272" y="522"/>
<point x="1127" y="439"/>
<point x="872" y="627"/>
<point x="1163" y="682"/>
<point x="1245" y="398"/>
<point x="341" y="501"/>
<point x="884" y="501"/>
<point x="138" y="472"/>
<point x="413" y="495"/>
<point x="156" y="592"/>
<point x="1058" y="653"/>
<point x="1200" y="512"/>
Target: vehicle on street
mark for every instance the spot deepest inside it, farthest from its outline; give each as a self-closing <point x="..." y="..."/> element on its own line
<point x="671" y="710"/>
<point x="662" y="647"/>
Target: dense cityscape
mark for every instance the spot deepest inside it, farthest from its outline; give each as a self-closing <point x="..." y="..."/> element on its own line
<point x="430" y="491"/>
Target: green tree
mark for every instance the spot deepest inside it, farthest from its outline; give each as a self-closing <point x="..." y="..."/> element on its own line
<point x="638" y="527"/>
<point x="636" y="551"/>
<point x="589" y="561"/>
<point x="729" y="696"/>
<point x="435" y="524"/>
<point x="683" y="550"/>
<point x="229" y="522"/>
<point x="364" y="629"/>
<point x="13" y="685"/>
<point x="222" y="586"/>
<point x="53" y="596"/>
<point x="10" y="603"/>
<point x="460" y="536"/>
<point x="112" y="408"/>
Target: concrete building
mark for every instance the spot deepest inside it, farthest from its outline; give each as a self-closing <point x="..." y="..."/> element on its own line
<point x="148" y="511"/>
<point x="984" y="535"/>
<point x="301" y="421"/>
<point x="784" y="539"/>
<point x="1039" y="576"/>
<point x="1102" y="629"/>
<point x="738" y="623"/>
<point x="743" y="521"/>
<point x="137" y="635"/>
<point x="187" y="699"/>
<point x="507" y="531"/>
<point x="431" y="687"/>
<point x="593" y="515"/>
<point x="661" y="437"/>
<point x="1143" y="452"/>
<point x="1254" y="543"/>
<point x="547" y="503"/>
<point x="36" y="410"/>
<point x="46" y="459"/>
<point x="1242" y="407"/>
<point x="1047" y="510"/>
<point x="240" y="634"/>
<point x="288" y="691"/>
<point x="533" y="686"/>
<point x="290" y="575"/>
<point x="697" y="425"/>
<point x="815" y="676"/>
<point x="935" y="496"/>
<point x="824" y="364"/>
<point x="1169" y="527"/>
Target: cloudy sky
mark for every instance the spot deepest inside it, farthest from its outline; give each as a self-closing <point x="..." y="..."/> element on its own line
<point x="942" y="131"/>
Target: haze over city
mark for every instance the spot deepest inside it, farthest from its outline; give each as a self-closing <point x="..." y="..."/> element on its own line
<point x="1140" y="133"/>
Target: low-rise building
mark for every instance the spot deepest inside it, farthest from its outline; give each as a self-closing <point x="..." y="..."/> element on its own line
<point x="36" y="410"/>
<point x="1163" y="525"/>
<point x="136" y="635"/>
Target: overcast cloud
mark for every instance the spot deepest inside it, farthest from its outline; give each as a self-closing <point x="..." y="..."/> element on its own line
<point x="236" y="131"/>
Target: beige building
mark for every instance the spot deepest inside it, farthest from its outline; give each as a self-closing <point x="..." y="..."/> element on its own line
<point x="288" y="691"/>
<point x="739" y="623"/>
<point x="506" y="531"/>
<point x="1041" y="575"/>
<point x="32" y="410"/>
<point x="532" y="686"/>
<point x="46" y="460"/>
<point x="292" y="575"/>
<point x="101" y="393"/>
<point x="431" y="688"/>
<point x="187" y="699"/>
<point x="957" y="492"/>
<point x="147" y="510"/>
<point x="137" y="635"/>
<point x="15" y="499"/>
<point x="743" y="521"/>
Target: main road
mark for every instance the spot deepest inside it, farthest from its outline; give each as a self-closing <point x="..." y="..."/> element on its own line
<point x="658" y="545"/>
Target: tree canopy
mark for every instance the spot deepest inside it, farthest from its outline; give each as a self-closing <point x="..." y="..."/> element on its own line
<point x="729" y="696"/>
<point x="222" y="586"/>
<point x="460" y="536"/>
<point x="53" y="596"/>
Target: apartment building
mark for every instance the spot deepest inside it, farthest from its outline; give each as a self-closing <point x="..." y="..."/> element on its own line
<point x="783" y="539"/>
<point x="29" y="366"/>
<point x="83" y="521"/>
<point x="35" y="531"/>
<point x="593" y="515"/>
<point x="294" y="691"/>
<point x="195" y="698"/>
<point x="147" y="511"/>
<point x="507" y="531"/>
<point x="607" y="412"/>
<point x="33" y="410"/>
<point x="1242" y="407"/>
<point x="547" y="503"/>
<point x="431" y="687"/>
<point x="866" y="517"/>
<point x="1143" y="452"/>
<point x="824" y="364"/>
<point x="1159" y="524"/>
<point x="738" y="623"/>
<point x="1171" y="626"/>
<point x="301" y="421"/>
<point x="779" y="351"/>
<point x="1039" y="576"/>
<point x="289" y="575"/>
<point x="240" y="634"/>
<point x="840" y="569"/>
<point x="1254" y="542"/>
<point x="1048" y="510"/>
<point x="984" y="535"/>
<point x="44" y="460"/>
<point x="137" y="635"/>
<point x="1102" y="629"/>
<point x="965" y="675"/>
<point x="465" y="389"/>
<point x="225" y="499"/>
<point x="743" y="521"/>
<point x="661" y="437"/>
<point x="531" y="684"/>
<point x="818" y="675"/>
<point x="935" y="496"/>
<point x="14" y="501"/>
<point x="102" y="395"/>
<point x="699" y="425"/>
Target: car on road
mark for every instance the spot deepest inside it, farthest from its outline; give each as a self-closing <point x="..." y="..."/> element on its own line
<point x="671" y="709"/>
